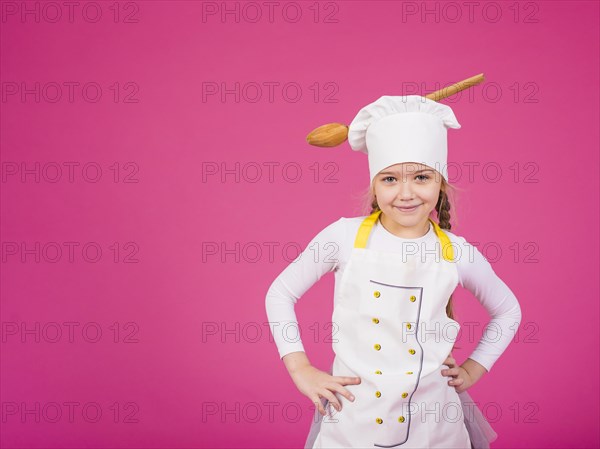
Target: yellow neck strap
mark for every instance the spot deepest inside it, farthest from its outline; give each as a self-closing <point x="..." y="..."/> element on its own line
<point x="367" y="224"/>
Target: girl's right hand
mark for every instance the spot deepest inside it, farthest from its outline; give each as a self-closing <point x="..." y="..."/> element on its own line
<point x="314" y="384"/>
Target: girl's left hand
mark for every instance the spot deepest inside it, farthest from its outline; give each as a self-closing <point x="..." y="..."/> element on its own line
<point x="459" y="377"/>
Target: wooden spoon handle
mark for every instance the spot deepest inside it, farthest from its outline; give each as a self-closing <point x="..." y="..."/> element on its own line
<point x="455" y="88"/>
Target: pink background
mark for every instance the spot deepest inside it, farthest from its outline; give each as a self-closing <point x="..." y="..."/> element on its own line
<point x="165" y="379"/>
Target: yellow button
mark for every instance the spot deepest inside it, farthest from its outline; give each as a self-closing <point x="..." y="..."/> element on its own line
<point x="376" y="294"/>
<point x="412" y="351"/>
<point x="409" y="372"/>
<point x="377" y="372"/>
<point x="408" y="326"/>
<point x="413" y="298"/>
<point x="377" y="347"/>
<point x="378" y="394"/>
<point x="379" y="420"/>
<point x="401" y="419"/>
<point x="404" y="395"/>
<point x="376" y="321"/>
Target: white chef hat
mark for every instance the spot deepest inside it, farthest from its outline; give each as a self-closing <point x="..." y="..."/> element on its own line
<point x="397" y="129"/>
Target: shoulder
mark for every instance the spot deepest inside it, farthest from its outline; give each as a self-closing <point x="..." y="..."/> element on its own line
<point x="354" y="222"/>
<point x="340" y="233"/>
<point x="472" y="265"/>
<point x="335" y="231"/>
<point x="455" y="238"/>
<point x="465" y="251"/>
<point x="351" y="226"/>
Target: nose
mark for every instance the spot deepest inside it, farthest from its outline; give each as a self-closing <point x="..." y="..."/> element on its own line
<point x="405" y="191"/>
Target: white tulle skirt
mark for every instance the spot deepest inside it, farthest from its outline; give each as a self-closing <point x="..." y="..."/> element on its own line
<point x="480" y="431"/>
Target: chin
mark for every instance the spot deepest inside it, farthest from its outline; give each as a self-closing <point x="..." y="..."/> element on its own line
<point x="408" y="221"/>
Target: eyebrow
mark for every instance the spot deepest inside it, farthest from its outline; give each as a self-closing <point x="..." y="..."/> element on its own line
<point x="396" y="172"/>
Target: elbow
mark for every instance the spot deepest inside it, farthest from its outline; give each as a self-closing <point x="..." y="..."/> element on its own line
<point x="269" y="299"/>
<point x="516" y="313"/>
<point x="509" y="312"/>
<point x="270" y="295"/>
<point x="274" y="298"/>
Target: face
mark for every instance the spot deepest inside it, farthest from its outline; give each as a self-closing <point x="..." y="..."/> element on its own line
<point x="407" y="194"/>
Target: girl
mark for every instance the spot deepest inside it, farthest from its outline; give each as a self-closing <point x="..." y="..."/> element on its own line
<point x="395" y="271"/>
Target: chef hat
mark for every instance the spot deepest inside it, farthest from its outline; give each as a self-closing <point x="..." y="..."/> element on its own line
<point x="397" y="129"/>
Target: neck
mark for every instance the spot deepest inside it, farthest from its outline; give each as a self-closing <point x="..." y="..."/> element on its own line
<point x="405" y="232"/>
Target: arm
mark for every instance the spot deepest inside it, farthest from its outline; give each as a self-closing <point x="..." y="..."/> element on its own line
<point x="474" y="369"/>
<point x="477" y="276"/>
<point x="295" y="361"/>
<point x="320" y="256"/>
<point x="323" y="254"/>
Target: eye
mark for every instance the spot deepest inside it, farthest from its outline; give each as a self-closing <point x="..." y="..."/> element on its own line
<point x="423" y="177"/>
<point x="388" y="177"/>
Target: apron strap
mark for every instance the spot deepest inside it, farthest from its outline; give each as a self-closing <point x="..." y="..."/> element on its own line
<point x="447" y="248"/>
<point x="362" y="236"/>
<point x="365" y="229"/>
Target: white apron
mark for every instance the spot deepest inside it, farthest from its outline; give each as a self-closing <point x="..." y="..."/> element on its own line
<point x="390" y="328"/>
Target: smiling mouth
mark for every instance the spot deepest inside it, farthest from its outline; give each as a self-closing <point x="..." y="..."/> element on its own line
<point x="407" y="209"/>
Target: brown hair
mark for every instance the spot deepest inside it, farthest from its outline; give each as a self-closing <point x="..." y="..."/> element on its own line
<point x="442" y="208"/>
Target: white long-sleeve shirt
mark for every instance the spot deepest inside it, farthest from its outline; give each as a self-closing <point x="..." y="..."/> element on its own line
<point x="330" y="250"/>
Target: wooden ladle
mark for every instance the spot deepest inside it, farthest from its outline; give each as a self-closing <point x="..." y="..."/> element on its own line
<point x="333" y="134"/>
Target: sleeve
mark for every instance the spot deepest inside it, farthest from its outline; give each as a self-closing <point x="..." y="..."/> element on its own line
<point x="321" y="255"/>
<point x="477" y="275"/>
